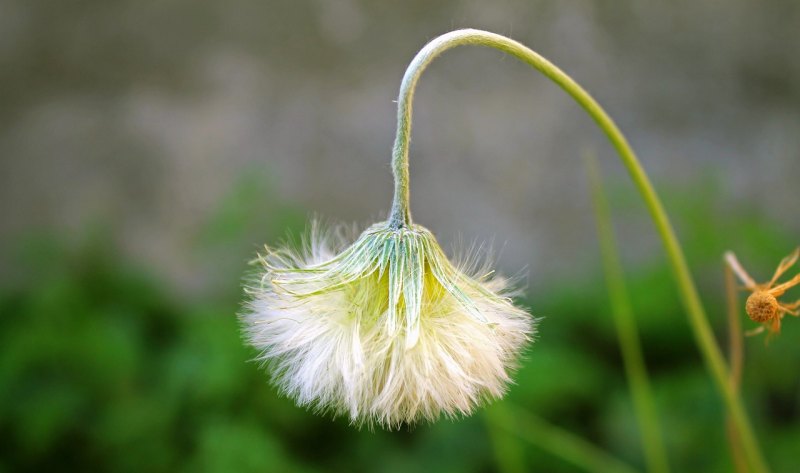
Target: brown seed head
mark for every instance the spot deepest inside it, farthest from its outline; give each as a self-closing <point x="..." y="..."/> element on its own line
<point x="761" y="306"/>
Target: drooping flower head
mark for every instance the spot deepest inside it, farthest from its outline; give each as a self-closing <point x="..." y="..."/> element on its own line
<point x="387" y="331"/>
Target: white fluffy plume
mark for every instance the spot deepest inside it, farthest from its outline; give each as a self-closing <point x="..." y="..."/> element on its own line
<point x="387" y="331"/>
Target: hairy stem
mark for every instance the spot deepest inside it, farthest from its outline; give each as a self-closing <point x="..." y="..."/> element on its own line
<point x="401" y="216"/>
<point x="627" y="331"/>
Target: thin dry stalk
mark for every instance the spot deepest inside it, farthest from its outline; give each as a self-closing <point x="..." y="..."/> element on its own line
<point x="736" y="360"/>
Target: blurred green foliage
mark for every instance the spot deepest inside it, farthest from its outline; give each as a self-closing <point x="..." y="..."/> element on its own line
<point x="103" y="369"/>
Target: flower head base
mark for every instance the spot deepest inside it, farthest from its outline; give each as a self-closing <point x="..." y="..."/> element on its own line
<point x="387" y="331"/>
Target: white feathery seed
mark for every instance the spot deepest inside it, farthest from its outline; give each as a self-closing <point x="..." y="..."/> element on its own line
<point x="386" y="331"/>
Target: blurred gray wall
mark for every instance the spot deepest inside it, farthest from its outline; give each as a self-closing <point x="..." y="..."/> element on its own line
<point x="143" y="116"/>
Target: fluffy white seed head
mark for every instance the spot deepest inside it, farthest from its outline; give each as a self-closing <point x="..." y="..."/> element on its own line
<point x="386" y="331"/>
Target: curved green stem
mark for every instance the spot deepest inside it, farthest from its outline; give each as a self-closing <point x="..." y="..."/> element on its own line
<point x="400" y="214"/>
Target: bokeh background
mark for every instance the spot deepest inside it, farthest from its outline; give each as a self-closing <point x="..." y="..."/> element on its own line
<point x="148" y="149"/>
